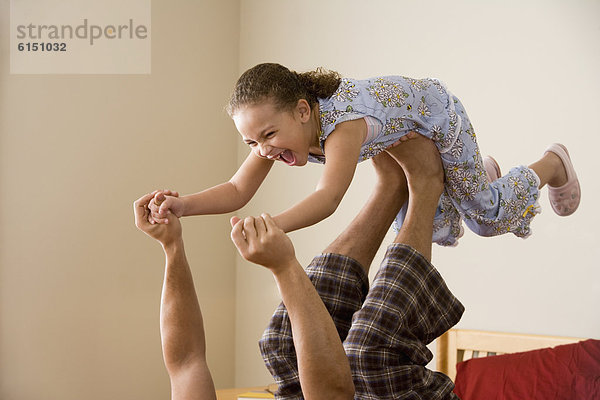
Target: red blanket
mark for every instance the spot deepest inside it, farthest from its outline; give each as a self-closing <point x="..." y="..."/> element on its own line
<point x="568" y="372"/>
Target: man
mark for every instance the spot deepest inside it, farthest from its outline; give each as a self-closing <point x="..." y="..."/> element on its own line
<point x="384" y="330"/>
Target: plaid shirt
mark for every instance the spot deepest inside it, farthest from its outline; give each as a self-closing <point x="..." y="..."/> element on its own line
<point x="385" y="330"/>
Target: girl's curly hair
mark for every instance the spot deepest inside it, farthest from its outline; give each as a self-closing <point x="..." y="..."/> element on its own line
<point x="281" y="85"/>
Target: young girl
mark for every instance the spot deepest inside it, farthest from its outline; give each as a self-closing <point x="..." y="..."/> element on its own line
<point x="319" y="117"/>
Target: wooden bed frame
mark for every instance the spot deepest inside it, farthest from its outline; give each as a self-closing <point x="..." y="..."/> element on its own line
<point x="458" y="345"/>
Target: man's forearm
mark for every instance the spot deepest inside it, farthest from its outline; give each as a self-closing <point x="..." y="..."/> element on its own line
<point x="182" y="330"/>
<point x="181" y="324"/>
<point x="323" y="367"/>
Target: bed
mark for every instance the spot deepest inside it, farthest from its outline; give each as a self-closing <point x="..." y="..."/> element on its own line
<point x="524" y="367"/>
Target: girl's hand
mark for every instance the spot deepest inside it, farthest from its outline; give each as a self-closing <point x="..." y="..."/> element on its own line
<point x="261" y="241"/>
<point x="163" y="202"/>
<point x="166" y="235"/>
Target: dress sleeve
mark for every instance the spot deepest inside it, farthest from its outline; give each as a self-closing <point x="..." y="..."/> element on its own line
<point x="330" y="119"/>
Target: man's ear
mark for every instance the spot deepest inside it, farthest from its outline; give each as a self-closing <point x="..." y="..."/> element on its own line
<point x="303" y="110"/>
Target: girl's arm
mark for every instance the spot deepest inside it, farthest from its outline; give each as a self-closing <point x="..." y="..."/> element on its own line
<point x="233" y="194"/>
<point x="342" y="149"/>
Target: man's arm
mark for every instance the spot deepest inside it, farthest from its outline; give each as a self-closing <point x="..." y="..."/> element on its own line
<point x="181" y="326"/>
<point x="323" y="368"/>
<point x="182" y="330"/>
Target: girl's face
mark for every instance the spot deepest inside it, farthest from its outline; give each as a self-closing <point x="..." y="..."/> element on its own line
<point x="277" y="135"/>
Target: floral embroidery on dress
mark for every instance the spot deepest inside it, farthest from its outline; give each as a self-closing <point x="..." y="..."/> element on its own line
<point x="453" y="121"/>
<point x="516" y="184"/>
<point x="456" y="150"/>
<point x="476" y="214"/>
<point x="438" y="85"/>
<point x="393" y="125"/>
<point x="447" y="139"/>
<point x="471" y="133"/>
<point x="480" y="168"/>
<point x="514" y="213"/>
<point x="424" y="108"/>
<point x="461" y="181"/>
<point x="418" y="84"/>
<point x="469" y="190"/>
<point x="345" y="92"/>
<point x="388" y="93"/>
<point x="372" y="150"/>
<point x="436" y="133"/>
<point x="329" y="117"/>
<point x="450" y="220"/>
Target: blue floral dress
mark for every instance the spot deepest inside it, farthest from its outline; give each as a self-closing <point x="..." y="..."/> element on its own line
<point x="399" y="105"/>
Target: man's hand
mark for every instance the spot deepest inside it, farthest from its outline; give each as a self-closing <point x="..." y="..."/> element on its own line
<point x="165" y="201"/>
<point x="166" y="234"/>
<point x="261" y="241"/>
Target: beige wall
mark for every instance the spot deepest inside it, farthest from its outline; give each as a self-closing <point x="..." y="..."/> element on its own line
<point x="79" y="285"/>
<point x="527" y="74"/>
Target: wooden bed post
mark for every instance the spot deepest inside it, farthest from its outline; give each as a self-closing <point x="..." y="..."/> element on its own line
<point x="446" y="358"/>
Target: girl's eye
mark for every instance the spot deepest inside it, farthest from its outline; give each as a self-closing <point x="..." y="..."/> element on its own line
<point x="270" y="135"/>
<point x="251" y="144"/>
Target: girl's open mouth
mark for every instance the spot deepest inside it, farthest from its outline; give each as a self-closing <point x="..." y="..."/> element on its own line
<point x="287" y="157"/>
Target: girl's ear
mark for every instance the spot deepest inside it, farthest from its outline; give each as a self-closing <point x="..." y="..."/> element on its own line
<point x="303" y="110"/>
